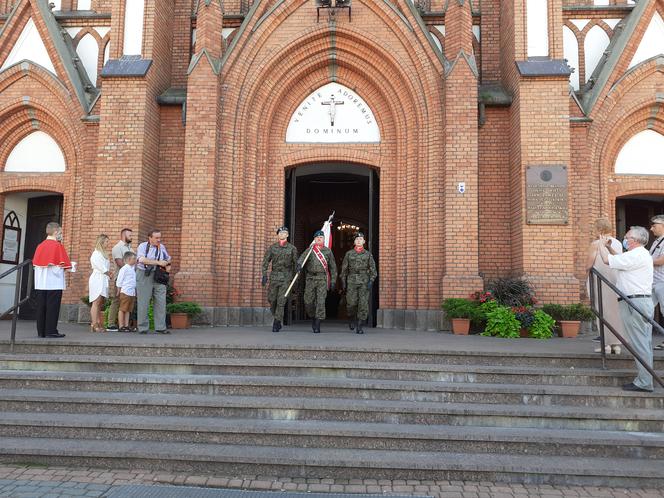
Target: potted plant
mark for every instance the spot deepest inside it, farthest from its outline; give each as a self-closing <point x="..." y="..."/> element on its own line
<point x="526" y="316"/>
<point x="181" y="313"/>
<point x="500" y="321"/>
<point x="542" y="325"/>
<point x="512" y="292"/>
<point x="460" y="312"/>
<point x="569" y="317"/>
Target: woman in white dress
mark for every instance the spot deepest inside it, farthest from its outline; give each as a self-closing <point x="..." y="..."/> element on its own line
<point x="98" y="283"/>
<point x="602" y="226"/>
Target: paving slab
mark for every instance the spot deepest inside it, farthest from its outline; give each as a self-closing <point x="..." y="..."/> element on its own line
<point x="334" y="335"/>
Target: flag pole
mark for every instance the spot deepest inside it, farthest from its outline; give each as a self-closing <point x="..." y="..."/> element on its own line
<point x="311" y="246"/>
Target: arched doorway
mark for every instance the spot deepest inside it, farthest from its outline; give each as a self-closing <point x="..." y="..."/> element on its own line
<point x="312" y="192"/>
<point x="30" y="212"/>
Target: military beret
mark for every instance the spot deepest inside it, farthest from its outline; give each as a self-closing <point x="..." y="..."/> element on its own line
<point x="319" y="233"/>
<point x="282" y="229"/>
<point x="358" y="234"/>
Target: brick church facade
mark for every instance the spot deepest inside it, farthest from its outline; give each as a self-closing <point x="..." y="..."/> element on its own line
<point x="472" y="139"/>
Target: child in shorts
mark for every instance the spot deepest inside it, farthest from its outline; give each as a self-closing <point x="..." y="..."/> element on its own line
<point x="126" y="289"/>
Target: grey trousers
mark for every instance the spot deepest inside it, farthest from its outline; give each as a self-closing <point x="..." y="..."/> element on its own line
<point x="639" y="335"/>
<point x="147" y="289"/>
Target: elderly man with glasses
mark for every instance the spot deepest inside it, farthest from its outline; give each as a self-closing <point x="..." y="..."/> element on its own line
<point x="634" y="269"/>
<point x="657" y="253"/>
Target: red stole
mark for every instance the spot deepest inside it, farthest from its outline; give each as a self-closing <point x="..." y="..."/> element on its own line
<point x="316" y="250"/>
<point x="51" y="252"/>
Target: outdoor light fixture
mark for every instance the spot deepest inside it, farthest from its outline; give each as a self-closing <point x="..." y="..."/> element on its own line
<point x="332" y="8"/>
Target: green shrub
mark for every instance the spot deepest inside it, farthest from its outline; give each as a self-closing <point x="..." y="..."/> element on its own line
<point x="542" y="325"/>
<point x="187" y="307"/>
<point x="456" y="307"/>
<point x="570" y="312"/>
<point x="501" y="322"/>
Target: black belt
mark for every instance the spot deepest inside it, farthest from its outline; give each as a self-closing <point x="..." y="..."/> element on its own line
<point x="633" y="296"/>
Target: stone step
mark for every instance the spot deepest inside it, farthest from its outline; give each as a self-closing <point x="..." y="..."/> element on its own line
<point x="316" y="387"/>
<point x="334" y="409"/>
<point x="333" y="463"/>
<point x="322" y="369"/>
<point x="326" y="434"/>
<point x="367" y="354"/>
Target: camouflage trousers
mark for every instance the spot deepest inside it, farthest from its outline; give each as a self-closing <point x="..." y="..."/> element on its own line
<point x="357" y="300"/>
<point x="315" y="292"/>
<point x="275" y="296"/>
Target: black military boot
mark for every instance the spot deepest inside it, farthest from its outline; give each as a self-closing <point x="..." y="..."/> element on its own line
<point x="316" y="326"/>
<point x="276" y="326"/>
<point x="358" y="327"/>
<point x="351" y="324"/>
<point x="313" y="325"/>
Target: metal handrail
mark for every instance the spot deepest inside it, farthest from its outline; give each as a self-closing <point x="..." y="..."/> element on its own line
<point x="599" y="312"/>
<point x="18" y="302"/>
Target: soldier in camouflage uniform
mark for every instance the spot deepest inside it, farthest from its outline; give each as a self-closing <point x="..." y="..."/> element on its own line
<point x="283" y="256"/>
<point x="358" y="272"/>
<point x="320" y="277"/>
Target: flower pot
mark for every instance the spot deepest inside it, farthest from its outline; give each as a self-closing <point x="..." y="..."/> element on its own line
<point x="460" y="326"/>
<point x="524" y="333"/>
<point x="569" y="328"/>
<point x="180" y="321"/>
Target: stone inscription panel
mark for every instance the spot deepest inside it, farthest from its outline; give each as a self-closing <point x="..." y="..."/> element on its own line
<point x="546" y="195"/>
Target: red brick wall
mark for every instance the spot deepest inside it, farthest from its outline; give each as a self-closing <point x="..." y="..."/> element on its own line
<point x="494" y="195"/>
<point x="223" y="173"/>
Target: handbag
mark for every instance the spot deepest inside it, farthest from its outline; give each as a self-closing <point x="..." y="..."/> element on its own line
<point x="161" y="276"/>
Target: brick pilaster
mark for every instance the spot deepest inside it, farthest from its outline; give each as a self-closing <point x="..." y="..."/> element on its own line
<point x="461" y="156"/>
<point x="196" y="279"/>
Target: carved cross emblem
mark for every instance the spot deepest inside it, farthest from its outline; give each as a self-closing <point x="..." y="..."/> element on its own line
<point x="332" y="111"/>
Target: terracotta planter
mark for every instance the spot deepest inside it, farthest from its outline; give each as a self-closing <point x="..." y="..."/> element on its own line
<point x="460" y="326"/>
<point x="569" y="328"/>
<point x="180" y="321"/>
<point x="524" y="333"/>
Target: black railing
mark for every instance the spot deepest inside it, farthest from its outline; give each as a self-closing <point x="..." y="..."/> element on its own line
<point x="596" y="279"/>
<point x="18" y="302"/>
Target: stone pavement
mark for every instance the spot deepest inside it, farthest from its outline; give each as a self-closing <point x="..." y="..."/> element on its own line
<point x="334" y="335"/>
<point x="25" y="481"/>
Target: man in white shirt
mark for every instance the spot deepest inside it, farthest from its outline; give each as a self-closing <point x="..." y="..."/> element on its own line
<point x="657" y="253"/>
<point x="634" y="269"/>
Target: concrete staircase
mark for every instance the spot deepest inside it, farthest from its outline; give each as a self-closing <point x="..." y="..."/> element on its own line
<point x="331" y="412"/>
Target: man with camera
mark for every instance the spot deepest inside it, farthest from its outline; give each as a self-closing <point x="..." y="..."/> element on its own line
<point x="152" y="269"/>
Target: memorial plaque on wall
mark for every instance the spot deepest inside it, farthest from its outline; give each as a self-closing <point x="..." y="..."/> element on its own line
<point x="546" y="195"/>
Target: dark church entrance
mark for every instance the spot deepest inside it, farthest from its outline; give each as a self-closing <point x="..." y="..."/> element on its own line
<point x="637" y="210"/>
<point x="352" y="192"/>
<point x="41" y="211"/>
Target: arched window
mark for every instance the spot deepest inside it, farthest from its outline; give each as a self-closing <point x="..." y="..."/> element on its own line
<point x="571" y="52"/>
<point x="36" y="153"/>
<point x="11" y="239"/>
<point x="594" y="46"/>
<point x="133" y="27"/>
<point x="642" y="155"/>
<point x="88" y="50"/>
